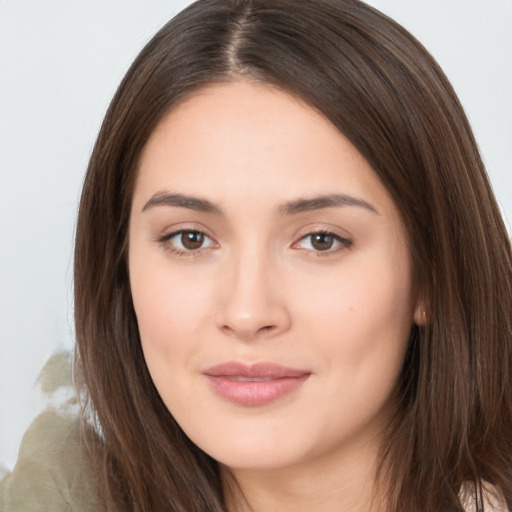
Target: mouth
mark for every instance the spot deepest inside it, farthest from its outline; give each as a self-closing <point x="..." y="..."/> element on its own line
<point x="256" y="384"/>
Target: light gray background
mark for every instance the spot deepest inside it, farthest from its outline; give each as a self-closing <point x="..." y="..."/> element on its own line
<point x="60" y="63"/>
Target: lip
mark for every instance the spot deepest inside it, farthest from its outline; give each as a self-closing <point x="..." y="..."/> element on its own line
<point x="254" y="384"/>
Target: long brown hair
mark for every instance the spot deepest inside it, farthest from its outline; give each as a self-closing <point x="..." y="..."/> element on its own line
<point x="386" y="94"/>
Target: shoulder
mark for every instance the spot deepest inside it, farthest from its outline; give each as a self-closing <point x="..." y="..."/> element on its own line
<point x="52" y="473"/>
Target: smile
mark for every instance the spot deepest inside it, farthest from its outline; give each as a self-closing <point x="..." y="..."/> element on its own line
<point x="254" y="385"/>
<point x="250" y="379"/>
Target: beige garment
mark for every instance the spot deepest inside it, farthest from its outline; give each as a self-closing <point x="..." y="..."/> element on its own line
<point x="51" y="474"/>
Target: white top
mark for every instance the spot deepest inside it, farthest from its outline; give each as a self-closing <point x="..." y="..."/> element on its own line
<point x="493" y="499"/>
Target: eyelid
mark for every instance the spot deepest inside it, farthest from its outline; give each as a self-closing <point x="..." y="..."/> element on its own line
<point x="344" y="241"/>
<point x="165" y="238"/>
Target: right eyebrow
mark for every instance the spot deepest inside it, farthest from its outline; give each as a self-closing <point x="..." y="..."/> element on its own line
<point x="182" y="201"/>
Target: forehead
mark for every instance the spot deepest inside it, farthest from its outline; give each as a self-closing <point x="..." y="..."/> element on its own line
<point x="247" y="141"/>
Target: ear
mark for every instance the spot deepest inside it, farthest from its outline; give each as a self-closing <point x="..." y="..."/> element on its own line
<point x="420" y="314"/>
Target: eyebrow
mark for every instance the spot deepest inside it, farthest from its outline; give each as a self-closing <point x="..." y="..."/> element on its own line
<point x="327" y="201"/>
<point x="182" y="201"/>
<point x="288" y="208"/>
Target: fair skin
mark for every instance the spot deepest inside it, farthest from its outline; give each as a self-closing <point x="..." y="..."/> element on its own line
<point x="230" y="262"/>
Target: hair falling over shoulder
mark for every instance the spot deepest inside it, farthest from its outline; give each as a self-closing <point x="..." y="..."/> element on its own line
<point x="380" y="88"/>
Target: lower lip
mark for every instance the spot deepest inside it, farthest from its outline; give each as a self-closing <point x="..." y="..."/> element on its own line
<point x="255" y="393"/>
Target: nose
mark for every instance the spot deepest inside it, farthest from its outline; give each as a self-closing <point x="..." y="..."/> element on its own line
<point x="252" y="303"/>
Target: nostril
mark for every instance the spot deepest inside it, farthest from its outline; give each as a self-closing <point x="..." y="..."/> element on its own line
<point x="248" y="333"/>
<point x="226" y="329"/>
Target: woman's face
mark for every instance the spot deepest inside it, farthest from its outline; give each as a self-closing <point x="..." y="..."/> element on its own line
<point x="271" y="280"/>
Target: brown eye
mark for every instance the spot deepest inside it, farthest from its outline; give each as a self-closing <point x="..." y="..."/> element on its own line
<point x="187" y="242"/>
<point x="322" y="241"/>
<point x="192" y="240"/>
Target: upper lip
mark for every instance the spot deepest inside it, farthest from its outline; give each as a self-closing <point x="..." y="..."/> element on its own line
<point x="254" y="370"/>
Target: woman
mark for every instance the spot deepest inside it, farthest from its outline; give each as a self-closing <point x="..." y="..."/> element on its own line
<point x="293" y="287"/>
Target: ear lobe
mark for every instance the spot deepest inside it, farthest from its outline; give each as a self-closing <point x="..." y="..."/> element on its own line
<point x="420" y="314"/>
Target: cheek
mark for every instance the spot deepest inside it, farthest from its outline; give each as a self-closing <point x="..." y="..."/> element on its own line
<point x="163" y="309"/>
<point x="363" y="314"/>
<point x="171" y="310"/>
<point x="170" y="314"/>
<point x="361" y="289"/>
<point x="360" y="322"/>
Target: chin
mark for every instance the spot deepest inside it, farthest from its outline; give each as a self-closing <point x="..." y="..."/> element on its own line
<point x="241" y="450"/>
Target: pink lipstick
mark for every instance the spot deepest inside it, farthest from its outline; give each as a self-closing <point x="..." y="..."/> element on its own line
<point x="254" y="384"/>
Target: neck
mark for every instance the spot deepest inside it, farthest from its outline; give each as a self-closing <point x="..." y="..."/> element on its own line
<point x="322" y="485"/>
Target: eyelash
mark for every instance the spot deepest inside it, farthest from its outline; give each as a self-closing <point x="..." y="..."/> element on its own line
<point x="166" y="239"/>
<point x="343" y="243"/>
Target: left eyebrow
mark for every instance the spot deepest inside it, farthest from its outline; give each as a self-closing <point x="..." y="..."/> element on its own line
<point x="327" y="201"/>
